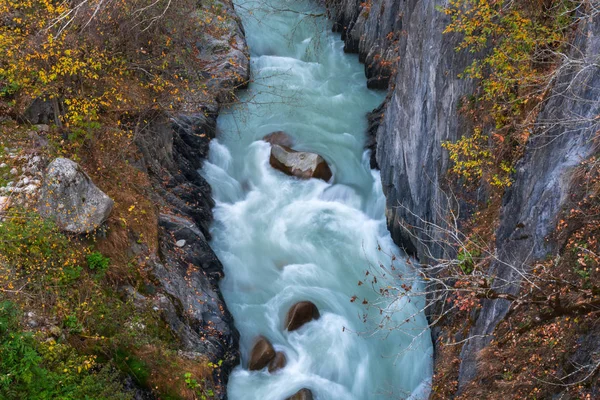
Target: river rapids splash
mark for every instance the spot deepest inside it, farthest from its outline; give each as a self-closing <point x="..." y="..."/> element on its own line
<point x="283" y="240"/>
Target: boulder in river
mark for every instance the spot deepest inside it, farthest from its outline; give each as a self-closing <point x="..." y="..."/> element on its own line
<point x="70" y="198"/>
<point x="277" y="363"/>
<point x="301" y="164"/>
<point x="301" y="313"/>
<point x="280" y="138"/>
<point x="302" y="394"/>
<point x="261" y="355"/>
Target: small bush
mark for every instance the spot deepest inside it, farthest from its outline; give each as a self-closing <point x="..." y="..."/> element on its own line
<point x="48" y="370"/>
<point x="98" y="262"/>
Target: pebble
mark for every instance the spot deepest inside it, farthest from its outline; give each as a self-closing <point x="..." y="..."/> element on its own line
<point x="4" y="203"/>
<point x="180" y="243"/>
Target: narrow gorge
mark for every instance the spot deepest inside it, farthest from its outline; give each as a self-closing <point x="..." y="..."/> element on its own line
<point x="299" y="199"/>
<point x="283" y="240"/>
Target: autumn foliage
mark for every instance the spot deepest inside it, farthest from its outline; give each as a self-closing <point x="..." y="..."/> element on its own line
<point x="517" y="46"/>
<point x="107" y="69"/>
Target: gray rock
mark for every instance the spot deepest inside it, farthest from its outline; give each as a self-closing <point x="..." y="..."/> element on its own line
<point x="422" y="111"/>
<point x="542" y="183"/>
<point x="180" y="243"/>
<point x="41" y="111"/>
<point x="71" y="199"/>
<point x="303" y="165"/>
<point x="42" y="128"/>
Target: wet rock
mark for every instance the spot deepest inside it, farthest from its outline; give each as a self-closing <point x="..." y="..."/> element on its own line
<point x="261" y="355"/>
<point x="302" y="394"/>
<point x="301" y="313"/>
<point x="303" y="165"/>
<point x="70" y="198"/>
<point x="280" y="138"/>
<point x="277" y="363"/>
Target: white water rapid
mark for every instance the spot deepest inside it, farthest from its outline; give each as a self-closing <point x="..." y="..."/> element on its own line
<point x="284" y="240"/>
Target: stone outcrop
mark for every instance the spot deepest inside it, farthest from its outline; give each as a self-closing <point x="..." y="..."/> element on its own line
<point x="421" y="112"/>
<point x="565" y="136"/>
<point x="70" y="198"/>
<point x="185" y="270"/>
<point x="372" y="30"/>
<point x="301" y="164"/>
<point x="300" y="314"/>
<point x="261" y="355"/>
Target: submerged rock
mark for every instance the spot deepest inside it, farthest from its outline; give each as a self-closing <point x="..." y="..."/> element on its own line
<point x="302" y="394"/>
<point x="70" y="198"/>
<point x="301" y="313"/>
<point x="278" y="362"/>
<point x="280" y="138"/>
<point x="261" y="355"/>
<point x="303" y="165"/>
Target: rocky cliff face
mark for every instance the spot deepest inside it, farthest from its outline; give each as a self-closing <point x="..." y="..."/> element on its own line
<point x="565" y="136"/>
<point x="421" y="112"/>
<point x="186" y="271"/>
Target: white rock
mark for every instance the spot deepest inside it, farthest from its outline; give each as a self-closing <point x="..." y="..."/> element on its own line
<point x="180" y="243"/>
<point x="84" y="206"/>
<point x="4" y="203"/>
<point x="30" y="188"/>
<point x="14" y="171"/>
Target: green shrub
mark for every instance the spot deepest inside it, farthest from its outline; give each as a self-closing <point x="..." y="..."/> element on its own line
<point x="133" y="366"/>
<point x="98" y="262"/>
<point x="35" y="250"/>
<point x="46" y="370"/>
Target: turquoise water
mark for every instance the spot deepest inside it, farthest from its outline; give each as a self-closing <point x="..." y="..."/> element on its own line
<point x="284" y="240"/>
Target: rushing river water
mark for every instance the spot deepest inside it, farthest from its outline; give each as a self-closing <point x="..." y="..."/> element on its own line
<point x="284" y="240"/>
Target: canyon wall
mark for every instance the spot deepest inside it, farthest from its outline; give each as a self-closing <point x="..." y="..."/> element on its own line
<point x="185" y="270"/>
<point x="421" y="66"/>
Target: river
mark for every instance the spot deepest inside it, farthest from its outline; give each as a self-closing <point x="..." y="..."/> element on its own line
<point x="283" y="240"/>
